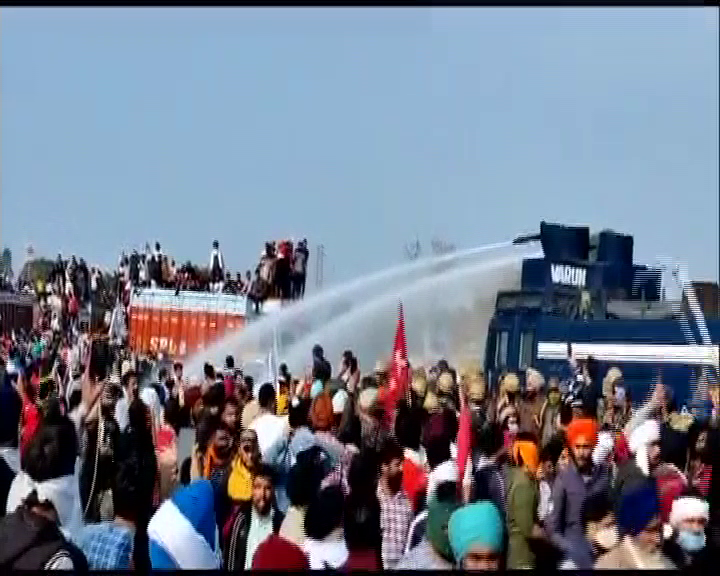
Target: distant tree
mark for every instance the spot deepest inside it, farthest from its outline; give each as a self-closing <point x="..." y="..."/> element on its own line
<point x="6" y="271"/>
<point x="36" y="270"/>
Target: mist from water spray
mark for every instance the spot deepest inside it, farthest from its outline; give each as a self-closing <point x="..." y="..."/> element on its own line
<point x="310" y="314"/>
<point x="446" y="315"/>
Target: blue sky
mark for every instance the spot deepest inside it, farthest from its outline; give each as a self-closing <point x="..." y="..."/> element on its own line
<point x="358" y="128"/>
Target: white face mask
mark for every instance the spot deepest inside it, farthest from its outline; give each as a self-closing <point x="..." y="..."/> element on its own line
<point x="607" y="538"/>
<point x="513" y="427"/>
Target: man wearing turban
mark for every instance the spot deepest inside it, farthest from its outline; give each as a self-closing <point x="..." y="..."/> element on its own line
<point x="476" y="536"/>
<point x="532" y="402"/>
<point x="644" y="446"/>
<point x="582" y="478"/>
<point x="522" y="505"/>
<point x="687" y="547"/>
<point x="640" y="526"/>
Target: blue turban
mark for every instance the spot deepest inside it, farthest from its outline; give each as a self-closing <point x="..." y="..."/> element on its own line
<point x="182" y="531"/>
<point x="638" y="506"/>
<point x="475" y="524"/>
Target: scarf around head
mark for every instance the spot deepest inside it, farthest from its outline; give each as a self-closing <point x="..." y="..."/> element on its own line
<point x="240" y="481"/>
<point x="63" y="493"/>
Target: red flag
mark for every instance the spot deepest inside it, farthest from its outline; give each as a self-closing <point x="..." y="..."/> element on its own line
<point x="399" y="372"/>
<point x="464" y="437"/>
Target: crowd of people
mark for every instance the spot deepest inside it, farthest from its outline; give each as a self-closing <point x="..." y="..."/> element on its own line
<point x="280" y="272"/>
<point x="323" y="473"/>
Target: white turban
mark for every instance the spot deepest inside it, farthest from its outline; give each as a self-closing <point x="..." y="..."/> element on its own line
<point x="603" y="448"/>
<point x="445" y="472"/>
<point x="688" y="507"/>
<point x="640" y="439"/>
<point x="534" y="380"/>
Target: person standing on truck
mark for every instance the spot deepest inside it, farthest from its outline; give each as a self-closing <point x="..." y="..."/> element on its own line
<point x="299" y="269"/>
<point x="217" y="267"/>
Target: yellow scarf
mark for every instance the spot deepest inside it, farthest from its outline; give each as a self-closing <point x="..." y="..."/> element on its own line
<point x="282" y="404"/>
<point x="240" y="481"/>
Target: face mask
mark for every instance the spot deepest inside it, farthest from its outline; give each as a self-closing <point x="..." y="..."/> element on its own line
<point x="554" y="398"/>
<point x="513" y="427"/>
<point x="691" y="541"/>
<point x="619" y="396"/>
<point x="607" y="538"/>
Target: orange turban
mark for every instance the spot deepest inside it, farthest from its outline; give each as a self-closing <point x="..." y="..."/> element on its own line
<point x="321" y="412"/>
<point x="582" y="429"/>
<point x="527" y="451"/>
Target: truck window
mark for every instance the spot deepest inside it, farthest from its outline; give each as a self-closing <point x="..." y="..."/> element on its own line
<point x="501" y="350"/>
<point x="527" y="348"/>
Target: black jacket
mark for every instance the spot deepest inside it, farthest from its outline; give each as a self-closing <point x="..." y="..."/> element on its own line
<point x="29" y="541"/>
<point x="700" y="562"/>
<point x="7" y="475"/>
<point x="236" y="545"/>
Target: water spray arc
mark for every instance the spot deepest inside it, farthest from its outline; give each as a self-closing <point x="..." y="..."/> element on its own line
<point x="384" y="306"/>
<point x="319" y="303"/>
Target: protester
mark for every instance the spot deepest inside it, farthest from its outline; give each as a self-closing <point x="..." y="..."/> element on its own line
<point x="268" y="426"/>
<point x="252" y="522"/>
<point x="408" y="431"/>
<point x="476" y="534"/>
<point x="109" y="545"/>
<point x="363" y="535"/>
<point x="325" y="542"/>
<point x="641" y="531"/>
<point x="303" y="483"/>
<point x="687" y="547"/>
<point x="531" y="404"/>
<point x="434" y="551"/>
<point x="490" y="481"/>
<point x="277" y="553"/>
<point x="550" y="412"/>
<point x="581" y="479"/>
<point x="245" y="463"/>
<point x="395" y="508"/>
<point x="644" y="444"/>
<point x="10" y="408"/>
<point x="182" y="531"/>
<point x="600" y="526"/>
<point x="522" y="505"/>
<point x="43" y="506"/>
<point x="699" y="459"/>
